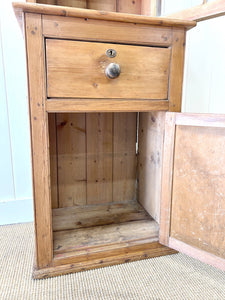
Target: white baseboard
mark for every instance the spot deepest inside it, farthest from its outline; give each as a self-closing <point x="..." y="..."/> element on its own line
<point x="18" y="211"/>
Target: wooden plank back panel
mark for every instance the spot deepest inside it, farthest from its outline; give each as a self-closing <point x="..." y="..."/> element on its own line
<point x="198" y="203"/>
<point x="106" y="5"/>
<point x="99" y="157"/>
<point x="129" y="6"/>
<point x="71" y="144"/>
<point x="49" y="2"/>
<point x="124" y="156"/>
<point x="72" y="3"/>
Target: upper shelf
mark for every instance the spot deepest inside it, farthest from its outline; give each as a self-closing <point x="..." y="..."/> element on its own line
<point x="99" y="15"/>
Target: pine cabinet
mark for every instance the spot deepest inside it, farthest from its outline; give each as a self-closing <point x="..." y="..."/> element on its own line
<point x="119" y="174"/>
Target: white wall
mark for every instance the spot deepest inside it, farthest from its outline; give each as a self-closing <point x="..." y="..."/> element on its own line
<point x="204" y="75"/>
<point x="15" y="162"/>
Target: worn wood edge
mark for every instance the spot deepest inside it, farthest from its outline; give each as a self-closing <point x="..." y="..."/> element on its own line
<point x="196" y="253"/>
<point x="99" y="15"/>
<point x="167" y="178"/>
<point x="159" y="250"/>
<point x="201" y="12"/>
<point x="199" y="119"/>
<point x="105" y="105"/>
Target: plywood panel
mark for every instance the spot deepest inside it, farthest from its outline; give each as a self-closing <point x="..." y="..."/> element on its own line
<point x="71" y="144"/>
<point x="150" y="140"/>
<point x="77" y="70"/>
<point x="198" y="205"/>
<point x="124" y="156"/>
<point x="99" y="157"/>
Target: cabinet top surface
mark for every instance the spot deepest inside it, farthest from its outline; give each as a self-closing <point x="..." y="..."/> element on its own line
<point x="99" y="15"/>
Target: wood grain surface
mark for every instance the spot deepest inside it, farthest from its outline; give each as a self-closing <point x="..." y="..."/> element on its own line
<point x="124" y="156"/>
<point x="39" y="141"/>
<point x="105" y="105"/>
<point x="107" y="31"/>
<point x="99" y="157"/>
<point x="71" y="150"/>
<point x="77" y="70"/>
<point x="71" y="240"/>
<point x="95" y="215"/>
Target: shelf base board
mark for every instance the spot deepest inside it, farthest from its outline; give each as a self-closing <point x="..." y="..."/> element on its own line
<point x="155" y="250"/>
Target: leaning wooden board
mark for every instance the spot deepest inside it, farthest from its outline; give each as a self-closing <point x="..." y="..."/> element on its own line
<point x="49" y="22"/>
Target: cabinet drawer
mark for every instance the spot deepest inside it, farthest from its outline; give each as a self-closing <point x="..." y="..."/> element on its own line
<point x="77" y="70"/>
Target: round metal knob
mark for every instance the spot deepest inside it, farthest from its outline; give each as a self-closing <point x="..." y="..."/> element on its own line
<point x="112" y="70"/>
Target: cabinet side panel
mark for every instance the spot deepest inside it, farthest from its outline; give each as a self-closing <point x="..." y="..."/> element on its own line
<point x="71" y="145"/>
<point x="39" y="140"/>
<point x="198" y="205"/>
<point x="150" y="140"/>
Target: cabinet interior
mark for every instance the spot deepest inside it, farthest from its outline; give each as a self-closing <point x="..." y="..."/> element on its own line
<point x="105" y="180"/>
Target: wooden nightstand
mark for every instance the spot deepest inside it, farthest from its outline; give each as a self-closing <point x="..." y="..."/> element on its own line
<point x="100" y="84"/>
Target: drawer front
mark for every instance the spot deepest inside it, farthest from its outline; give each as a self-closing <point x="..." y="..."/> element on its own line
<point x="77" y="70"/>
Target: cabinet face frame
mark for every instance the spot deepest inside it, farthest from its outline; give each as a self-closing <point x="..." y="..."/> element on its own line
<point x="39" y="108"/>
<point x="173" y="120"/>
